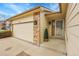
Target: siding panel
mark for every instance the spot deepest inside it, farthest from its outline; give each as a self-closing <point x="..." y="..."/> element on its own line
<point x="72" y="30"/>
<point x="74" y="21"/>
<point x="70" y="10"/>
<point x="74" y="13"/>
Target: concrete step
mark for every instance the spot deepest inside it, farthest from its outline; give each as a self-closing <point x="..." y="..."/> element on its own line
<point x="56" y="37"/>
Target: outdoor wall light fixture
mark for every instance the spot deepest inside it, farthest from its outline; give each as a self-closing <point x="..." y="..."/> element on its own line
<point x="49" y="22"/>
<point x="35" y="22"/>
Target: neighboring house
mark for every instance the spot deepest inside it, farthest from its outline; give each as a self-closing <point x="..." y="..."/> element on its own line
<point x="7" y="25"/>
<point x="2" y="25"/>
<point x="30" y="25"/>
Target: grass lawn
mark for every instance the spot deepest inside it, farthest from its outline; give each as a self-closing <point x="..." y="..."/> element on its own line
<point x="2" y="31"/>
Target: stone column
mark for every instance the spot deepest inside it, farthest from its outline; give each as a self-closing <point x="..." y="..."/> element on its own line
<point x="36" y="17"/>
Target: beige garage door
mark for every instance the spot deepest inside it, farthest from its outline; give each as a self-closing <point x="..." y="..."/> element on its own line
<point x="23" y="31"/>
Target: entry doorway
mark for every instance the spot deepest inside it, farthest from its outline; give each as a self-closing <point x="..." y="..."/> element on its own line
<point x="56" y="41"/>
<point x="57" y="28"/>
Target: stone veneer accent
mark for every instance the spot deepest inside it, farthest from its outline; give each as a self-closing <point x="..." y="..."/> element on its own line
<point x="36" y="17"/>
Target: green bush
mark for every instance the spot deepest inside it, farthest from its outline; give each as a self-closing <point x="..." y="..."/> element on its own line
<point x="5" y="33"/>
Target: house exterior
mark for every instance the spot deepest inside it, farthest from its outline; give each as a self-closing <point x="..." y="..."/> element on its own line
<point x="30" y="25"/>
<point x="2" y="25"/>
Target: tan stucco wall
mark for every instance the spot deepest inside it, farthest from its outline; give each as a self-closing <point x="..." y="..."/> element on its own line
<point x="50" y="29"/>
<point x="23" y="19"/>
<point x="72" y="29"/>
<point x="43" y="25"/>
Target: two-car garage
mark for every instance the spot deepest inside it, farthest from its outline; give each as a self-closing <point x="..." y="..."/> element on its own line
<point x="26" y="26"/>
<point x="23" y="28"/>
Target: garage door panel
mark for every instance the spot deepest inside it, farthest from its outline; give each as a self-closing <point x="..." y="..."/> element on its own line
<point x="23" y="31"/>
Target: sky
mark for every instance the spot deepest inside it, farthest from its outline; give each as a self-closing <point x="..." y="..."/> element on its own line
<point x="8" y="10"/>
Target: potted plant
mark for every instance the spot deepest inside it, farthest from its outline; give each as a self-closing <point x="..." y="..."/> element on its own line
<point x="46" y="35"/>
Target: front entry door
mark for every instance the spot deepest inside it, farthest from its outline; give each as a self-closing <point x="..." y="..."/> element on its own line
<point x="57" y="27"/>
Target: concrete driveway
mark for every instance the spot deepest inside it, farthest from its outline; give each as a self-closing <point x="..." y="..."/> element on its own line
<point x="14" y="47"/>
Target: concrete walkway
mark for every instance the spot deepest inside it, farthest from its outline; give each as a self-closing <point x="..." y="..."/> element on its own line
<point x="15" y="47"/>
<point x="56" y="45"/>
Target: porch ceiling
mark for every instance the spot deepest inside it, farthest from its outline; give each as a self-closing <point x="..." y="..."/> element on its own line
<point x="58" y="15"/>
